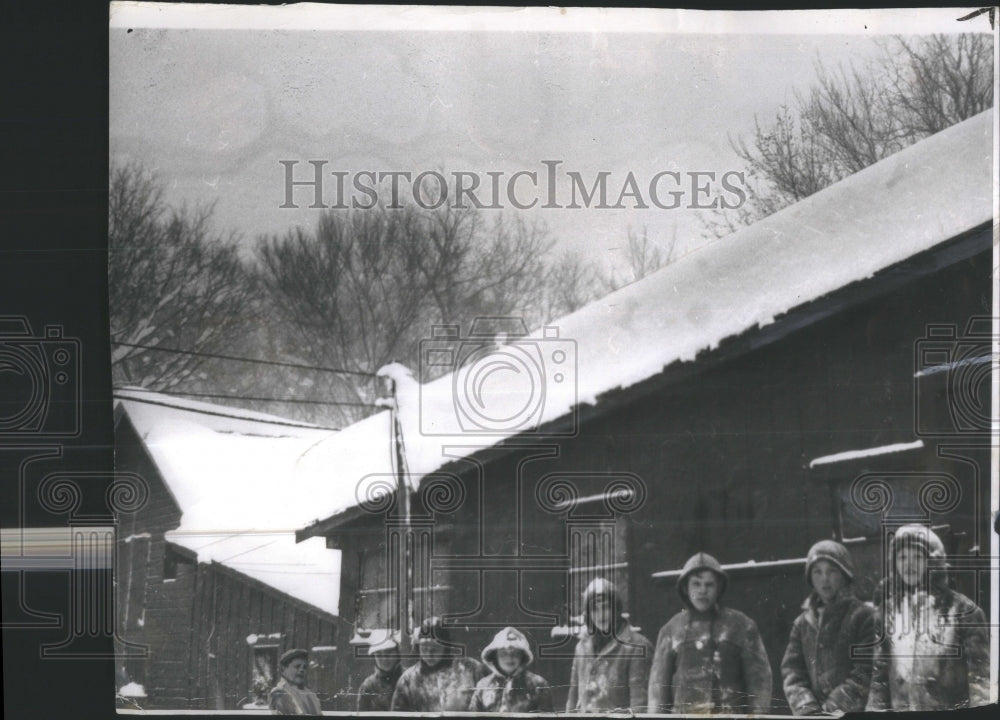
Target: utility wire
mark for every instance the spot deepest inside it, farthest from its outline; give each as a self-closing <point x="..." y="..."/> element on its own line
<point x="220" y="396"/>
<point x="224" y="415"/>
<point x="217" y="356"/>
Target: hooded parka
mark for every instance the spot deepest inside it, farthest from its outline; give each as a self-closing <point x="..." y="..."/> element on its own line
<point x="818" y="672"/>
<point x="934" y="649"/>
<point x="520" y="692"/>
<point x="709" y="662"/>
<point x="610" y="670"/>
<point x="446" y="686"/>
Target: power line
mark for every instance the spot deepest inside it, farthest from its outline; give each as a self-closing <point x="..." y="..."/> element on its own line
<point x="220" y="396"/>
<point x="218" y="356"/>
<point x="225" y="415"/>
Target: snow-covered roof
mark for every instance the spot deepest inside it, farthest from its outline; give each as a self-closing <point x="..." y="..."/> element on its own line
<point x="244" y="483"/>
<point x="921" y="197"/>
<point x="217" y="417"/>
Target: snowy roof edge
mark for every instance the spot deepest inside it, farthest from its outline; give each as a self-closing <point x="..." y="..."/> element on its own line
<point x="152" y="397"/>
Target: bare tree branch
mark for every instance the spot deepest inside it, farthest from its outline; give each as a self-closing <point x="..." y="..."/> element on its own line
<point x="853" y="117"/>
<point x="173" y="283"/>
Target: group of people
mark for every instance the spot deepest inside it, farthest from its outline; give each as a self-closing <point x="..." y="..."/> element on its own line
<point x="919" y="645"/>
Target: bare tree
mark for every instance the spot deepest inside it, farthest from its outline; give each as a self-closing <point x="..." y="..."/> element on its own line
<point x="853" y="117"/>
<point x="348" y="297"/>
<point x="642" y="257"/>
<point x="366" y="287"/>
<point x="942" y="80"/>
<point x="570" y="284"/>
<point x="173" y="284"/>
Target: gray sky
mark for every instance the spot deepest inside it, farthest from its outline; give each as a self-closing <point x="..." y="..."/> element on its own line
<point x="214" y="111"/>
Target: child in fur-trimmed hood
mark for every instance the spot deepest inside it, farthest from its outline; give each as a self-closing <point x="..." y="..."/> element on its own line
<point x="934" y="651"/>
<point x="510" y="687"/>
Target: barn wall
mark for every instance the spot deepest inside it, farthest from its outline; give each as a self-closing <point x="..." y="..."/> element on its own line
<point x="227" y="608"/>
<point x="152" y="611"/>
<point x="723" y="458"/>
<point x="195" y="624"/>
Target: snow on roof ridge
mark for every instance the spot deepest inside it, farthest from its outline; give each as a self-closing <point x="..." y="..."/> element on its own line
<point x="806" y="204"/>
<point x="866" y="452"/>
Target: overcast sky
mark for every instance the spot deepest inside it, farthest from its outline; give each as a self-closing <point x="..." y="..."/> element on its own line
<point x="214" y="111"/>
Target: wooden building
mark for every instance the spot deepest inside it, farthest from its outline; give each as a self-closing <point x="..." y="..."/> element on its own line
<point x="210" y="585"/>
<point x="749" y="399"/>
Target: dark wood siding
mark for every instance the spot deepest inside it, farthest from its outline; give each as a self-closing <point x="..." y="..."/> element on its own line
<point x="723" y="456"/>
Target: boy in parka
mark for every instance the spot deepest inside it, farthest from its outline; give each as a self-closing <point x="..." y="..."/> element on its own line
<point x="611" y="661"/>
<point x="375" y="693"/>
<point x="510" y="687"/>
<point x="818" y="672"/>
<point x="440" y="681"/>
<point x="709" y="658"/>
<point x="933" y="652"/>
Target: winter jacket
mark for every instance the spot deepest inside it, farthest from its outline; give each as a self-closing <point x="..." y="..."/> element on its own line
<point x="375" y="693"/>
<point x="912" y="669"/>
<point x="817" y="670"/>
<point x="288" y="699"/>
<point x="610" y="671"/>
<point x="448" y="686"/>
<point x="933" y="652"/>
<point x="709" y="662"/>
<point x="521" y="691"/>
<point x="614" y="677"/>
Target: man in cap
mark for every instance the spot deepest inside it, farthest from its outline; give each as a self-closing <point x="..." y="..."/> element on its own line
<point x="291" y="696"/>
<point x="375" y="693"/>
<point x="709" y="658"/>
<point x="818" y="672"/>
<point x="440" y="681"/>
<point x="611" y="662"/>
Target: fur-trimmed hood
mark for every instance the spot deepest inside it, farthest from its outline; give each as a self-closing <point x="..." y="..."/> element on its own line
<point x="510" y="638"/>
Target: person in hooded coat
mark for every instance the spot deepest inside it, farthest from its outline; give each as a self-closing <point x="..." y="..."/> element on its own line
<point x="611" y="662"/>
<point x="933" y="652"/>
<point x="375" y="693"/>
<point x="818" y="672"/>
<point x="709" y="658"/>
<point x="439" y="682"/>
<point x="511" y="687"/>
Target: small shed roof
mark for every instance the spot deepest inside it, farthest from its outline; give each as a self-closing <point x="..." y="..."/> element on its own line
<point x="244" y="482"/>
